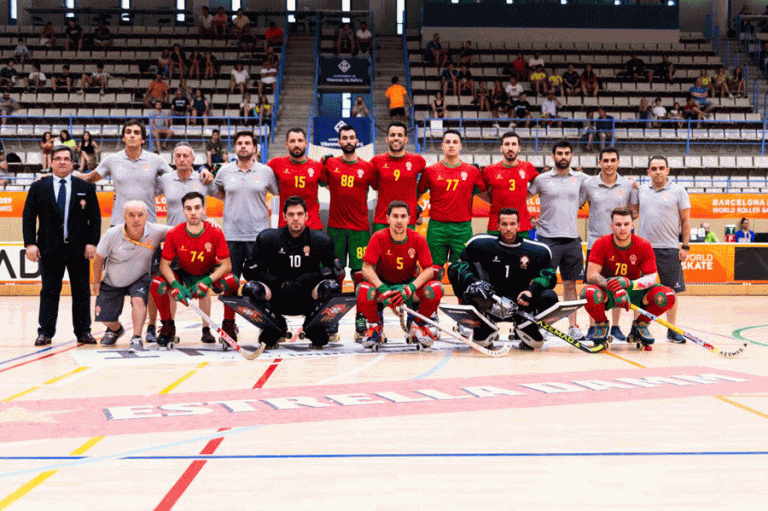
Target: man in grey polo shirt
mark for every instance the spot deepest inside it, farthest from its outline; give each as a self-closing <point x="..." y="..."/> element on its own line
<point x="664" y="215"/>
<point x="558" y="192"/>
<point x="174" y="185"/>
<point x="126" y="250"/>
<point x="604" y="192"/>
<point x="244" y="185"/>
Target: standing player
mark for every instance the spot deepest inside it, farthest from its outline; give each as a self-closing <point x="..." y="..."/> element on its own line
<point x="558" y="192"/>
<point x="292" y="270"/>
<point x="451" y="184"/>
<point x="397" y="174"/>
<point x="604" y="192"/>
<point x="507" y="184"/>
<point x="665" y="211"/>
<point x="622" y="270"/>
<point x="391" y="262"/>
<point x="203" y="264"/>
<point x="298" y="176"/>
<point x="508" y="265"/>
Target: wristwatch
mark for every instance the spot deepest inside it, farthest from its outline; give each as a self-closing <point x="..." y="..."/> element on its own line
<point x="685" y="247"/>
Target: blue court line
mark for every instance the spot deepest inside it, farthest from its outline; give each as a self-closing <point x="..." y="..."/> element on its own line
<point x="389" y="455"/>
<point x="439" y="365"/>
<point x="35" y="352"/>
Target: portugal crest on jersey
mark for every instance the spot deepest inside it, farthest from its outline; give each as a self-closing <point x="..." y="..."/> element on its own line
<point x="522" y="174"/>
<point x="411" y="252"/>
<point x="208" y="247"/>
<point x="463" y="176"/>
<point x="408" y="165"/>
<point x="524" y="261"/>
<point x="360" y="173"/>
<point x="306" y="250"/>
<point x="633" y="259"/>
<point x="311" y="172"/>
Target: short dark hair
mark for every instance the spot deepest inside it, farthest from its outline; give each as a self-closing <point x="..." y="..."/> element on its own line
<point x="622" y="211"/>
<point x="608" y="150"/>
<point x="397" y="124"/>
<point x="295" y="130"/>
<point x="397" y="204"/>
<point x="192" y="196"/>
<point x="395" y="79"/>
<point x="60" y="148"/>
<point x="245" y="133"/>
<point x="509" y="211"/>
<point x="294" y="200"/>
<point x="657" y="157"/>
<point x="136" y="122"/>
<point x="451" y="132"/>
<point x="510" y="134"/>
<point x="561" y="143"/>
<point x="347" y="127"/>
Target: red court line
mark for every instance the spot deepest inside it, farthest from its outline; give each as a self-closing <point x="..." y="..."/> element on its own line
<point x="194" y="468"/>
<point x="40" y="358"/>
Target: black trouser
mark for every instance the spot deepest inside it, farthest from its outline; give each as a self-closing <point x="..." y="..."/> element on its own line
<point x="51" y="273"/>
<point x="239" y="252"/>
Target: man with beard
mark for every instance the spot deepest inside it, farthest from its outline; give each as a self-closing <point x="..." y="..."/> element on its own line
<point x="298" y="176"/>
<point x="558" y="191"/>
<point x="396" y="175"/>
<point x="506" y="185"/>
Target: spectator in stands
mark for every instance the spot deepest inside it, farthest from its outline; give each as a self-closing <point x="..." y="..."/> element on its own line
<point x="448" y="78"/>
<point x="571" y="81"/>
<point x="48" y="36"/>
<point x="720" y="83"/>
<point x="273" y="37"/>
<point x="434" y="53"/>
<point x="74" y="35"/>
<point x="88" y="150"/>
<point x="589" y="82"/>
<point x="555" y="83"/>
<point x="239" y="78"/>
<point x="643" y="112"/>
<point x="180" y="108"/>
<point x="699" y="93"/>
<point x="676" y="113"/>
<point x="248" y="111"/>
<point x="513" y="88"/>
<point x="499" y="101"/>
<point x="709" y="236"/>
<point x="539" y="81"/>
<point x="102" y="37"/>
<point x="397" y="96"/>
<point x="246" y="44"/>
<point x="521" y="109"/>
<point x="345" y="40"/>
<point x="658" y="113"/>
<point x="268" y="78"/>
<point x="359" y="109"/>
<point x="263" y="110"/>
<point x="634" y="69"/>
<point x="536" y="61"/>
<point x="156" y="91"/>
<point x="465" y="81"/>
<point x="8" y="75"/>
<point x="664" y="70"/>
<point x="737" y="84"/>
<point x="4" y="177"/>
<point x="98" y="78"/>
<point x="36" y="78"/>
<point x="589" y="131"/>
<point x="193" y="64"/>
<point x="163" y="63"/>
<point x="550" y="107"/>
<point x="215" y="150"/>
<point x="200" y="107"/>
<point x="520" y="68"/>
<point x="692" y="111"/>
<point x="211" y="65"/>
<point x="466" y="53"/>
<point x="65" y="139"/>
<point x="185" y="90"/>
<point x="63" y="79"/>
<point x="439" y="108"/>
<point x="8" y="105"/>
<point x="744" y="235"/>
<point x="205" y="22"/>
<point x="482" y="98"/>
<point x="762" y="58"/>
<point x="219" y="25"/>
<point x="177" y="61"/>
<point x="241" y="24"/>
<point x="271" y="57"/>
<point x="46" y="146"/>
<point x="604" y="126"/>
<point x="21" y="52"/>
<point x="364" y="38"/>
<point x="160" y="124"/>
<point x="746" y="25"/>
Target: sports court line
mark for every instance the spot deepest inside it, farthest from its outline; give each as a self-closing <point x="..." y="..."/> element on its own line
<point x="49" y="348"/>
<point x="41" y="358"/>
<point x="737" y="334"/>
<point x="356" y="370"/>
<point x="614" y="355"/>
<point x="435" y="368"/>
<point x="49" y="382"/>
<point x="184" y="378"/>
<point x="264" y="377"/>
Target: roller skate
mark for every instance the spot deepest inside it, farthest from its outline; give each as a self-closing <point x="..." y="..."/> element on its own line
<point x="207" y="336"/>
<point x="229" y="327"/>
<point x="422" y="334"/>
<point x="166" y="338"/>
<point x="640" y="336"/>
<point x="361" y="325"/>
<point x="600" y="333"/>
<point x="374" y="336"/>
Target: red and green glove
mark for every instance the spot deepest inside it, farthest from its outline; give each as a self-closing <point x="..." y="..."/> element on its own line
<point x="616" y="283"/>
<point x="180" y="293"/>
<point x="621" y="299"/>
<point x="405" y="291"/>
<point x="200" y="289"/>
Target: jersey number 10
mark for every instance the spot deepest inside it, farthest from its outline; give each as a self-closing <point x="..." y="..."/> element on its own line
<point x="295" y="261"/>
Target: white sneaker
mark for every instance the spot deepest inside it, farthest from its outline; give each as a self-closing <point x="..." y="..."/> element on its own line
<point x="136" y="344"/>
<point x="575" y="332"/>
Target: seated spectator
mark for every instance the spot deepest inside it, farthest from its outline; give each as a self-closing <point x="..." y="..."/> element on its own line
<point x="163" y="63"/>
<point x="219" y="24"/>
<point x="706" y="81"/>
<point x="521" y="109"/>
<point x="634" y="69"/>
<point x="63" y="79"/>
<point x="239" y="78"/>
<point x="737" y="84"/>
<point x="48" y="35"/>
<point x="364" y="38"/>
<point x="465" y="81"/>
<point x="465" y="55"/>
<point x="98" y="78"/>
<point x="200" y="108"/>
<point x="692" y="111"/>
<point x="434" y="53"/>
<point x="205" y="22"/>
<point x="572" y="81"/>
<point x="439" y="108"/>
<point x="520" y="68"/>
<point x="345" y="40"/>
<point x="241" y="24"/>
<point x="180" y="108"/>
<point x="185" y="90"/>
<point x="88" y="150"/>
<point x="246" y="44"/>
<point x="160" y="124"/>
<point x="21" y="52"/>
<point x="46" y="146"/>
<point x="5" y="178"/>
<point x="8" y="75"/>
<point x="720" y="83"/>
<point x="744" y="234"/>
<point x="589" y="131"/>
<point x="273" y="37"/>
<point x="74" y="35"/>
<point x="482" y="98"/>
<point x="643" y="112"/>
<point x="268" y="78"/>
<point x="699" y="93"/>
<point x="194" y="63"/>
<point x="555" y="83"/>
<point x="658" y="113"/>
<point x="247" y="110"/>
<point x="535" y="61"/>
<point x="211" y="65"/>
<point x="539" y="81"/>
<point x="709" y="236"/>
<point x="676" y="113"/>
<point x="36" y="78"/>
<point x="65" y="139"/>
<point x="448" y="78"/>
<point x="549" y="108"/>
<point x="664" y="70"/>
<point x="156" y="91"/>
<point x="499" y="101"/>
<point x="589" y="82"/>
<point x="102" y="37"/>
<point x="762" y="57"/>
<point x="359" y="109"/>
<point x="177" y="61"/>
<point x="263" y="110"/>
<point x="215" y="150"/>
<point x="513" y="88"/>
<point x="604" y="127"/>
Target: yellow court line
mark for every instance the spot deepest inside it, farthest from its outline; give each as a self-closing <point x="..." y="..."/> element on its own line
<point x="614" y="355"/>
<point x="19" y="394"/>
<point x="79" y="369"/>
<point x="183" y="378"/>
<point x="743" y="407"/>
<point x="54" y="380"/>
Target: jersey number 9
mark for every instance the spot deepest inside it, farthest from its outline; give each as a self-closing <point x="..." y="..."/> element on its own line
<point x="396" y="173"/>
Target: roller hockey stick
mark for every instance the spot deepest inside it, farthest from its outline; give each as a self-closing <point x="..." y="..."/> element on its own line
<point x="403" y="310"/>
<point x="509" y="305"/>
<point x="689" y="336"/>
<point x="248" y="355"/>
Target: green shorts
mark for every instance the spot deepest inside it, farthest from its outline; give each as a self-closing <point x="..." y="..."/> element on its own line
<point x="187" y="279"/>
<point x="347" y="241"/>
<point x="522" y="234"/>
<point x="378" y="227"/>
<point x="443" y="237"/>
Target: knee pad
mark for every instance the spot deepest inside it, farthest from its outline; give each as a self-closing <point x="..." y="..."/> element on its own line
<point x="594" y="295"/>
<point x="366" y="292"/>
<point x="227" y="284"/>
<point x="439" y="272"/>
<point x="531" y="336"/>
<point x="159" y="286"/>
<point x="661" y="296"/>
<point x="432" y="290"/>
<point x="326" y="289"/>
<point x="255" y="292"/>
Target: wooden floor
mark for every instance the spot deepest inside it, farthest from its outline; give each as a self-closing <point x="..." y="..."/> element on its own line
<point x="92" y="428"/>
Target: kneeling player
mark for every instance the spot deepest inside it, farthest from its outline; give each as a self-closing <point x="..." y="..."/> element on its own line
<point x="203" y="263"/>
<point x="389" y="267"/>
<point x="622" y="270"/>
<point x="292" y="270"/>
<point x="509" y="266"/>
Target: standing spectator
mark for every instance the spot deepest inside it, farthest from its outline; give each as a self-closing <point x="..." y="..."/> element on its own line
<point x="439" y="107"/>
<point x="205" y="22"/>
<point x="239" y="78"/>
<point x="200" y="108"/>
<point x="48" y="36"/>
<point x="555" y="82"/>
<point x="63" y="79"/>
<point x="156" y="91"/>
<point x="466" y="53"/>
<point x="634" y="69"/>
<point x="36" y="78"/>
<point x="658" y="113"/>
<point x="539" y="81"/>
<point x="364" y="38"/>
<point x="434" y="52"/>
<point x="273" y="37"/>
<point x="160" y="124"/>
<point x="102" y="37"/>
<point x="194" y="63"/>
<point x="8" y="75"/>
<point x="74" y="35"/>
<point x="46" y="146"/>
<point x="211" y="65"/>
<point x="535" y="62"/>
<point x="720" y="83"/>
<point x="215" y="151"/>
<point x="359" y="109"/>
<point x="482" y="98"/>
<point x="465" y="81"/>
<point x="664" y="70"/>
<point x="88" y="150"/>
<point x="744" y="235"/>
<point x="589" y="82"/>
<point x="21" y="52"/>
<point x="69" y="229"/>
<point x="98" y="78"/>
<point x="345" y="40"/>
<point x="572" y="81"/>
<point x="533" y="233"/>
<point x="604" y="127"/>
<point x="520" y="68"/>
<point x="268" y="78"/>
<point x="178" y="60"/>
<point x="219" y="24"/>
<point x="558" y="191"/>
<point x="521" y="110"/>
<point x="180" y="108"/>
<point x="737" y="84"/>
<point x="163" y="63"/>
<point x="513" y="89"/>
<point x="448" y="77"/>
<point x="397" y="96"/>
<point x="549" y="108"/>
<point x="699" y="93"/>
<point x="664" y="216"/>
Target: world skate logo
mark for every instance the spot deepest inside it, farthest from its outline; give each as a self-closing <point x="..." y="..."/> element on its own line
<point x="344" y="66"/>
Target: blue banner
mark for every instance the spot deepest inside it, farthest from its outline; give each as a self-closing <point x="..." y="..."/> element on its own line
<point x="344" y="71"/>
<point x="326" y="130"/>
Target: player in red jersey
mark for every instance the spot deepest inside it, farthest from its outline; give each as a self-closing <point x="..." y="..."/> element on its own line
<point x="203" y="263"/>
<point x="397" y="173"/>
<point x="507" y="184"/>
<point x="298" y="175"/>
<point x="451" y="184"/>
<point x="392" y="276"/>
<point x="622" y="270"/>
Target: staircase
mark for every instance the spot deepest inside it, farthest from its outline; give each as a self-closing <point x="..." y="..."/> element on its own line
<point x="389" y="63"/>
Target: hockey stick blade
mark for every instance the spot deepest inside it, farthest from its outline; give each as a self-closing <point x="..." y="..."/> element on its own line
<point x="248" y="355"/>
<point x="501" y="352"/>
<point x="689" y="336"/>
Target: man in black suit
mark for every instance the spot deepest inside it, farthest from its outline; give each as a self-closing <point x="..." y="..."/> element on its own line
<point x="70" y="227"/>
